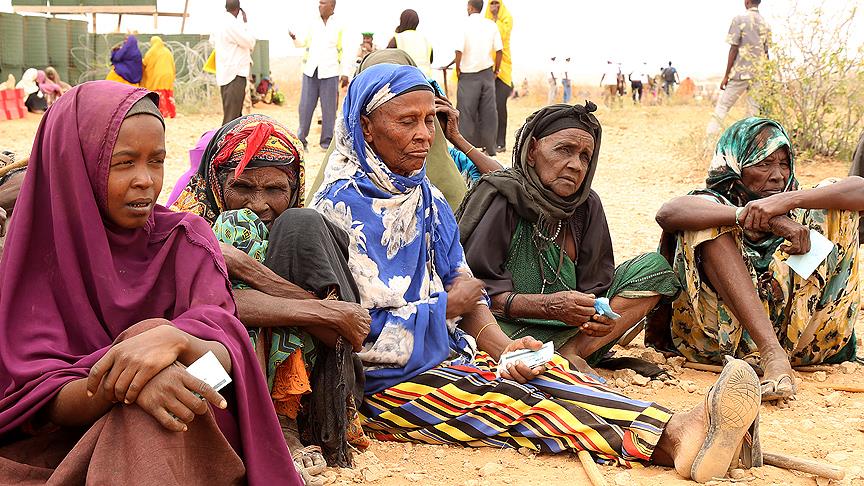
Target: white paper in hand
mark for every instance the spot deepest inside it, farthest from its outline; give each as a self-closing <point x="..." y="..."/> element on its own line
<point x="820" y="248"/>
<point x="531" y="359"/>
<point x="208" y="369"/>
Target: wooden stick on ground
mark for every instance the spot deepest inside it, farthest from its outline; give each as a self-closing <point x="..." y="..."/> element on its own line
<point x="808" y="466"/>
<point x="718" y="368"/>
<point x="591" y="469"/>
<point x="844" y="388"/>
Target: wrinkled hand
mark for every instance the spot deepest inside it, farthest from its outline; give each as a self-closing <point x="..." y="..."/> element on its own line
<point x="451" y="129"/>
<point x="518" y="371"/>
<point x="598" y="326"/>
<point x="234" y="259"/>
<point x="352" y="321"/>
<point x="343" y="81"/>
<point x="797" y="235"/>
<point x="463" y="294"/>
<point x="573" y="308"/>
<point x="758" y="214"/>
<point x="170" y="398"/>
<point x="724" y="82"/>
<point x="128" y="366"/>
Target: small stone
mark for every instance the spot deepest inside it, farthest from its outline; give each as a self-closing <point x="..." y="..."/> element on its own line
<point x="688" y="386"/>
<point x="623" y="479"/>
<point x="848" y="367"/>
<point x="472" y="482"/>
<point x="653" y="356"/>
<point x="820" y="481"/>
<point x="837" y="457"/>
<point x="490" y="469"/>
<point x="833" y="399"/>
<point x="374" y="473"/>
<point x="714" y="482"/>
<point x="625" y="374"/>
<point x="640" y="380"/>
<point x="621" y="383"/>
<point x="656" y="384"/>
<point x="414" y="477"/>
<point x="737" y="474"/>
<point x="807" y="424"/>
<point x="820" y="376"/>
<point x="526" y="452"/>
<point x="676" y="362"/>
<point x="440" y="453"/>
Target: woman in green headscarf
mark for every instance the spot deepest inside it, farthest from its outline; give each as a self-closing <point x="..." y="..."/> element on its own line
<point x="536" y="234"/>
<point x="440" y="168"/>
<point x="741" y="298"/>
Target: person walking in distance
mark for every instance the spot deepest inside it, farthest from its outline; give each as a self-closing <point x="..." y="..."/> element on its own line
<point x="498" y="13"/>
<point x="323" y="72"/>
<point x="477" y="70"/>
<point x="233" y="43"/>
<point x="670" y="79"/>
<point x="748" y="39"/>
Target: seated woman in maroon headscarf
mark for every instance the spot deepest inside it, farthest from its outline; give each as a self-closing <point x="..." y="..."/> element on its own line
<point x="105" y="298"/>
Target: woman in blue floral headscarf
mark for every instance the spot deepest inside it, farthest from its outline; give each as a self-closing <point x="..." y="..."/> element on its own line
<point x="431" y="358"/>
<point x="740" y="297"/>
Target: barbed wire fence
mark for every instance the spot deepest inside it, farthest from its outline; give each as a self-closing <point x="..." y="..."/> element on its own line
<point x="195" y="91"/>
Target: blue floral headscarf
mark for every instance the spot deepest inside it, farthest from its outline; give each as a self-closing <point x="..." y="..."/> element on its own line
<point x="404" y="243"/>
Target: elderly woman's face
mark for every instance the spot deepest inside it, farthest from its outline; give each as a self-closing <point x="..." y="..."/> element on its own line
<point x="265" y="190"/>
<point x="769" y="176"/>
<point x="401" y="131"/>
<point x="561" y="160"/>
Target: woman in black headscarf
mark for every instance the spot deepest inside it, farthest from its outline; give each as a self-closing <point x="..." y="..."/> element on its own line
<point x="536" y="234"/>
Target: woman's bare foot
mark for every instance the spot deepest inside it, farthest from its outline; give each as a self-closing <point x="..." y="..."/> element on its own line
<point x="704" y="442"/>
<point x="307" y="459"/>
<point x="778" y="378"/>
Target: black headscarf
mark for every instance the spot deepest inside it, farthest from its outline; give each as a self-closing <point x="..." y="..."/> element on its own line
<point x="520" y="185"/>
<point x="409" y="20"/>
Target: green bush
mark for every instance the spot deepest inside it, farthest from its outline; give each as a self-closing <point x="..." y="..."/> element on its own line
<point x="813" y="82"/>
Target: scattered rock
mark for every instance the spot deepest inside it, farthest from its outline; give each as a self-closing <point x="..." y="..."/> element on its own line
<point x="676" y="362"/>
<point x="837" y="457"/>
<point x="653" y="356"/>
<point x="472" y="482"/>
<point x="329" y="473"/>
<point x="623" y="479"/>
<point x="737" y="474"/>
<point x="414" y="477"/>
<point x="526" y="452"/>
<point x="621" y="383"/>
<point x="440" y="453"/>
<point x="807" y="424"/>
<point x="820" y="376"/>
<point x="833" y="399"/>
<point x="374" y="473"/>
<point x="656" y="384"/>
<point x="625" y="374"/>
<point x="848" y="367"/>
<point x="490" y="469"/>
<point x="820" y="481"/>
<point x="640" y="380"/>
<point x="688" y="386"/>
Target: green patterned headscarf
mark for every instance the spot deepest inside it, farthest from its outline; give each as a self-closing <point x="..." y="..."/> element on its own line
<point x="746" y="143"/>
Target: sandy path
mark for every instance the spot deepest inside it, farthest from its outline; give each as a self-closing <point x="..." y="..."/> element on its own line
<point x="647" y="156"/>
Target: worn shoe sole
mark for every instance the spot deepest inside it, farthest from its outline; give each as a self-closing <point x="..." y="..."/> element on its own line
<point x="732" y="405"/>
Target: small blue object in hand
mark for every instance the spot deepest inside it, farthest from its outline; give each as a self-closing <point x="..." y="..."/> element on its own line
<point x="601" y="305"/>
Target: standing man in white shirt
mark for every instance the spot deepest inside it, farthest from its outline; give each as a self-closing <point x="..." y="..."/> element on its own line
<point x="475" y="95"/>
<point x="323" y="72"/>
<point x="233" y="44"/>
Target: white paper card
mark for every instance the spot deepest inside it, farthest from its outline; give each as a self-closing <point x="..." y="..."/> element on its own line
<point x="820" y="248"/>
<point x="208" y="369"/>
<point x="531" y="359"/>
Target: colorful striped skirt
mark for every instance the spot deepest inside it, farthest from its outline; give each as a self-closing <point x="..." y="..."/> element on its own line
<point x="561" y="410"/>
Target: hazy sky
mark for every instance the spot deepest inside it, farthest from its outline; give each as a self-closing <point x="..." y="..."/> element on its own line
<point x="690" y="34"/>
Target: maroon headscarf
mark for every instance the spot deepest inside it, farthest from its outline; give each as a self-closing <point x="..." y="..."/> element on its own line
<point x="71" y="282"/>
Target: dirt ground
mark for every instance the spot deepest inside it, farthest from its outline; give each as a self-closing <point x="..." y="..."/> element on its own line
<point x="648" y="155"/>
